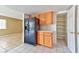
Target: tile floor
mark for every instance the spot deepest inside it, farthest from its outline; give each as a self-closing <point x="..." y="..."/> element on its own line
<point x="13" y="44"/>
<point x="10" y="41"/>
<point x="26" y="48"/>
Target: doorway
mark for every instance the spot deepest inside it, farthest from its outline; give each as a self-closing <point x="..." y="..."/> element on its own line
<point x="61" y="27"/>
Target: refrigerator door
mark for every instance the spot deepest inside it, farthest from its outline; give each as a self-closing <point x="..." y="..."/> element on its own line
<point x="26" y="30"/>
<point x="30" y="36"/>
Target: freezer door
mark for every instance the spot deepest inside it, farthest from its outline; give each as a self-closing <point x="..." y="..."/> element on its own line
<point x="26" y="30"/>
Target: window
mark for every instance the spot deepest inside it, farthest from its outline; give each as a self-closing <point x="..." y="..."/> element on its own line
<point x="2" y="24"/>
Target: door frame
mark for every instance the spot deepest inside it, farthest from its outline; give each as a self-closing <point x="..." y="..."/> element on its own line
<point x="61" y="12"/>
<point x="76" y="47"/>
<point x="76" y="10"/>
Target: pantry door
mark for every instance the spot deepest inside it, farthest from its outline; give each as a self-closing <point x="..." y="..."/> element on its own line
<point x="71" y="29"/>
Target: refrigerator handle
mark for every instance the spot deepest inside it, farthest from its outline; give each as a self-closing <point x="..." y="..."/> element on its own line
<point x="28" y="27"/>
<point x="25" y="27"/>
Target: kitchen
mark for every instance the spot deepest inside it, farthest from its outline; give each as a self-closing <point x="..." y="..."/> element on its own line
<point x="45" y="31"/>
<point x="40" y="28"/>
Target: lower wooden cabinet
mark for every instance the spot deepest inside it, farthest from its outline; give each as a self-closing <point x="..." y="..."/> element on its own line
<point x="45" y="38"/>
<point x="48" y="40"/>
<point x="40" y="38"/>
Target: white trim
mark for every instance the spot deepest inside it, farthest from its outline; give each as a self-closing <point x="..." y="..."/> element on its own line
<point x="62" y="12"/>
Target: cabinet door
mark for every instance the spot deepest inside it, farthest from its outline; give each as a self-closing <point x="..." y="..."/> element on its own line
<point x="48" y="41"/>
<point x="49" y="18"/>
<point x="40" y="38"/>
<point x="45" y="18"/>
<point x="42" y="20"/>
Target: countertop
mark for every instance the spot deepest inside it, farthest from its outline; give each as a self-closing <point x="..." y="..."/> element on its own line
<point x="45" y="31"/>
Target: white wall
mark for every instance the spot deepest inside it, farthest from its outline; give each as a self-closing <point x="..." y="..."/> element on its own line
<point x="5" y="11"/>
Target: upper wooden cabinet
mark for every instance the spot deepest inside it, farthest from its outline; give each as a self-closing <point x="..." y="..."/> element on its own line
<point x="45" y="18"/>
<point x="48" y="18"/>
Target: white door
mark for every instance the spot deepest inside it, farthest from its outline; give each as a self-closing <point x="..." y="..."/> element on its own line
<point x="71" y="29"/>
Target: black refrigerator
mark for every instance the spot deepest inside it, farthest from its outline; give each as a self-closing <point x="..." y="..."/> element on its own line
<point x="30" y="31"/>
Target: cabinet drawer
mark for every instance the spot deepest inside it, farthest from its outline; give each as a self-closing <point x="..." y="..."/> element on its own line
<point x="48" y="33"/>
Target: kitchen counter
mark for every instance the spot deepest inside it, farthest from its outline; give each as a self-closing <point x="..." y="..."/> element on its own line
<point x="45" y="31"/>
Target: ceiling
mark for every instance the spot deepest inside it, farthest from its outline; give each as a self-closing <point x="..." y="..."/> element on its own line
<point x="29" y="9"/>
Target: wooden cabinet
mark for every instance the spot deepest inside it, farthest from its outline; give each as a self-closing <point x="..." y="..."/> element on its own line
<point x="40" y="38"/>
<point x="45" y="38"/>
<point x="45" y="18"/>
<point x="49" y="18"/>
<point x="41" y="19"/>
<point x="48" y="40"/>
